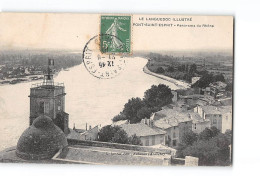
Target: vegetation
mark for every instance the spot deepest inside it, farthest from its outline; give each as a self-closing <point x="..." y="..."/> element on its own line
<point x="170" y="68"/>
<point x="137" y="109"/>
<point x="206" y="79"/>
<point x="181" y="68"/>
<point x="115" y="134"/>
<point x="210" y="146"/>
<point x="15" y="62"/>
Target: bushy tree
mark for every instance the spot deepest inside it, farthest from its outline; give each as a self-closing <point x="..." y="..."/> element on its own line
<point x="137" y="109"/>
<point x="209" y="133"/>
<point x="144" y="112"/>
<point x="189" y="138"/>
<point x="135" y="140"/>
<point x="211" y="147"/>
<point x="107" y="133"/>
<point x="131" y="108"/>
<point x="207" y="78"/>
<point x="119" y="117"/>
<point x="158" y="96"/>
<point x="206" y="151"/>
<point x="116" y="134"/>
<point x="120" y="136"/>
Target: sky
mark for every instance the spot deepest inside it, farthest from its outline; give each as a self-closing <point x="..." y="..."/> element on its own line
<point x="65" y="31"/>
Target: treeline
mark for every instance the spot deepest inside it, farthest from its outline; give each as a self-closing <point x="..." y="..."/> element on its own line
<point x="166" y="65"/>
<point x="210" y="146"/>
<point x="27" y="59"/>
<point x="169" y="66"/>
<point x="137" y="109"/>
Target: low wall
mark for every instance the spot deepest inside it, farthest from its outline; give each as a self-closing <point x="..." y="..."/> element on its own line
<point x="178" y="161"/>
<point x="119" y="146"/>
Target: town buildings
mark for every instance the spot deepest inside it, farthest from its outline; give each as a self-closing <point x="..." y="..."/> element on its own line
<point x="219" y="116"/>
<point x="216" y="89"/>
<point x="147" y="133"/>
<point x="175" y="123"/>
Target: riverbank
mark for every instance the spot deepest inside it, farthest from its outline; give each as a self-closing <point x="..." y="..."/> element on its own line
<point x="178" y="83"/>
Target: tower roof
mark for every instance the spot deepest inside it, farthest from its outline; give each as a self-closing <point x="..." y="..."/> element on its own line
<point x="41" y="140"/>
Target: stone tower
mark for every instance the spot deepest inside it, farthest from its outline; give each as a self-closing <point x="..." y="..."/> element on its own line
<point x="48" y="98"/>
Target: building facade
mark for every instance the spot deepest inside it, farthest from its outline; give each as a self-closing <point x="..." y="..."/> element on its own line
<point x="148" y="134"/>
<point x="219" y="116"/>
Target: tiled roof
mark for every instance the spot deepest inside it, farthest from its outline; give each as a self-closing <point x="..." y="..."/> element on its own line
<point x="196" y="117"/>
<point x="141" y="129"/>
<point x="170" y="117"/>
<point x="216" y="109"/>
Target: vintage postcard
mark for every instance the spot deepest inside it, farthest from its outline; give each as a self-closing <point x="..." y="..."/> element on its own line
<point x="116" y="89"/>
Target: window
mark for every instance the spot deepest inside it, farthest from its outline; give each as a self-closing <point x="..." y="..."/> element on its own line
<point x="174" y="135"/>
<point x="46" y="107"/>
<point x="153" y="140"/>
<point x="59" y="105"/>
<point x="195" y="126"/>
<point x="147" y="142"/>
<point x="214" y="121"/>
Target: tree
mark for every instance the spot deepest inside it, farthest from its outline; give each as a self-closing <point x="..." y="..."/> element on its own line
<point x="215" y="131"/>
<point x="209" y="133"/>
<point x="211" y="147"/>
<point x="131" y="108"/>
<point x="143" y="113"/>
<point x="159" y="70"/>
<point x="120" y="136"/>
<point x="107" y="133"/>
<point x="119" y="117"/>
<point x="116" y="134"/>
<point x="158" y="96"/>
<point x="206" y="134"/>
<point x="189" y="138"/>
<point x="206" y="151"/>
<point x="204" y="81"/>
<point x="135" y="140"/>
<point x="170" y="69"/>
<point x="193" y="69"/>
<point x="181" y="68"/>
<point x="218" y="77"/>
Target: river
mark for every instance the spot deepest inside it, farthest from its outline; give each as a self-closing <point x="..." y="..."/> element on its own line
<point x="88" y="100"/>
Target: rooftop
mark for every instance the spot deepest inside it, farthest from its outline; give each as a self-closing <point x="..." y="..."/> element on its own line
<point x="167" y="118"/>
<point x="141" y="129"/>
<point x="217" y="109"/>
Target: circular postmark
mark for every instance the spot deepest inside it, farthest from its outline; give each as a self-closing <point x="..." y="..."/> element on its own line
<point x="100" y="64"/>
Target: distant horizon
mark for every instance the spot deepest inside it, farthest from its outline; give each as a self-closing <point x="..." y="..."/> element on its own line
<point x="227" y="50"/>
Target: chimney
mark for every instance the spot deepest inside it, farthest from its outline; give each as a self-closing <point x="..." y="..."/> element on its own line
<point x="89" y="127"/>
<point x="74" y="127"/>
<point x="86" y="126"/>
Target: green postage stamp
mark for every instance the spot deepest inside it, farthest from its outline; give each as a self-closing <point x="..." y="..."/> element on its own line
<point x="115" y="34"/>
